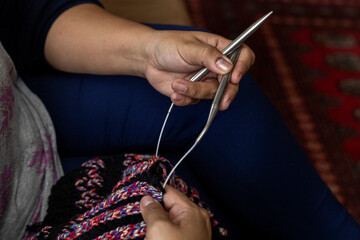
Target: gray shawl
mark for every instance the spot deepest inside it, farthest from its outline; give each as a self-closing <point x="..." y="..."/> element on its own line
<point x="29" y="163"/>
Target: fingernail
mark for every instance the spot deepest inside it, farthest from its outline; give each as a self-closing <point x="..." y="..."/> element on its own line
<point x="178" y="97"/>
<point x="147" y="200"/>
<point x="180" y="87"/>
<point x="223" y="64"/>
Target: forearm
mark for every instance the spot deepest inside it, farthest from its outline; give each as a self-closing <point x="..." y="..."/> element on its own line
<point x="87" y="39"/>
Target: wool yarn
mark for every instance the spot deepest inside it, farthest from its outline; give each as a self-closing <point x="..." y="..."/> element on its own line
<point x="101" y="199"/>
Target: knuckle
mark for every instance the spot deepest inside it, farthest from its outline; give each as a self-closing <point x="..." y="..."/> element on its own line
<point x="208" y="52"/>
<point x="187" y="101"/>
<point x="196" y="93"/>
<point x="188" y="210"/>
<point x="211" y="93"/>
<point x="194" y="90"/>
<point x="213" y="90"/>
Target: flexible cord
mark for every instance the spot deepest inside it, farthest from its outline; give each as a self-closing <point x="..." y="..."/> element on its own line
<point x="178" y="163"/>
<point x="162" y="130"/>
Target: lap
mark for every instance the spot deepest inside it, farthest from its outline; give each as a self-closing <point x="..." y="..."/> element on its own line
<point x="248" y="165"/>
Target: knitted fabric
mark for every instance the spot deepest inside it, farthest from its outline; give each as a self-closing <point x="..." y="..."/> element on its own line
<point x="101" y="199"/>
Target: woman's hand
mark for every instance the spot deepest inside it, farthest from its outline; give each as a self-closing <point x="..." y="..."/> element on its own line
<point x="87" y="39"/>
<point x="185" y="220"/>
<point x="174" y="56"/>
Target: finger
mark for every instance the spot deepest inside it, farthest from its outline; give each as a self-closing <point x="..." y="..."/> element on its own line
<point x="173" y="197"/>
<point x="245" y="61"/>
<point x="182" y="100"/>
<point x="182" y="210"/>
<point x="177" y="204"/>
<point x="152" y="211"/>
<point x="229" y="96"/>
<point x="197" y="90"/>
<point x="203" y="54"/>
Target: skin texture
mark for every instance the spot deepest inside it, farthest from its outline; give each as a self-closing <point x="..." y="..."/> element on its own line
<point x="180" y="220"/>
<point x="87" y="39"/>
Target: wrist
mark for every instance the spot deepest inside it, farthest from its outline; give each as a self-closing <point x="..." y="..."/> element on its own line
<point x="145" y="51"/>
<point x="132" y="53"/>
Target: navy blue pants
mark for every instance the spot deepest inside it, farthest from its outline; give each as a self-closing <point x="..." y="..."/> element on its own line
<point x="248" y="167"/>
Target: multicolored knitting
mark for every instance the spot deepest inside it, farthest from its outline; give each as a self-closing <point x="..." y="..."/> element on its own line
<point x="101" y="199"/>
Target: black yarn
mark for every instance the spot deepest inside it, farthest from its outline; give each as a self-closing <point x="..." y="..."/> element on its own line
<point x="64" y="195"/>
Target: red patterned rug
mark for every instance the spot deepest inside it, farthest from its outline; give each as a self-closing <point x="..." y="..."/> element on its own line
<point x="308" y="63"/>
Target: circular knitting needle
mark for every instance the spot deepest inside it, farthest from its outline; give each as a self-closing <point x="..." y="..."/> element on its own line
<point x="213" y="110"/>
<point x="226" y="51"/>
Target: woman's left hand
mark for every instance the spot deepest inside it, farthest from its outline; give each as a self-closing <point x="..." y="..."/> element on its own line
<point x="183" y="220"/>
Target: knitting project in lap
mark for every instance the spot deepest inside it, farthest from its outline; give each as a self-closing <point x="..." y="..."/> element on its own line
<point x="101" y="199"/>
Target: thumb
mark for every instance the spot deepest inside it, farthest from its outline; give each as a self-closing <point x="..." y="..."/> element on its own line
<point x="208" y="56"/>
<point x="152" y="211"/>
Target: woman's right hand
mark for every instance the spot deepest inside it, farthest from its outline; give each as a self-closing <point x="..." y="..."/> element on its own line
<point x="185" y="220"/>
<point x="174" y="56"/>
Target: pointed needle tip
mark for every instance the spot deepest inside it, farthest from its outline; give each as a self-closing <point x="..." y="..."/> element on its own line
<point x="268" y="14"/>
